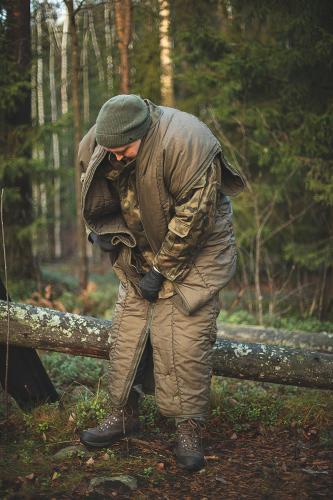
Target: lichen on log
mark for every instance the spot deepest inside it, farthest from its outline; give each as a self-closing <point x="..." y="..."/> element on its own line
<point x="316" y="341"/>
<point x="48" y="329"/>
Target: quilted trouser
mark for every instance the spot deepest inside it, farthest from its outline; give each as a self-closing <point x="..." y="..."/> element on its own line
<point x="181" y="348"/>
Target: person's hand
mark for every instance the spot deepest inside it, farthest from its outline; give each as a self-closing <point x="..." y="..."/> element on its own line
<point x="151" y="284"/>
<point x="103" y="241"/>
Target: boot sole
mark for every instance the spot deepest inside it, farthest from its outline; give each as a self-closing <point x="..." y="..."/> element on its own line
<point x="191" y="469"/>
<point x="105" y="444"/>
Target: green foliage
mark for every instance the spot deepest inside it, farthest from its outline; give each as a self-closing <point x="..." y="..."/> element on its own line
<point x="65" y="370"/>
<point x="262" y="80"/>
<point x="244" y="404"/>
<point x="91" y="409"/>
<point x="145" y="56"/>
<point x="240" y="317"/>
<point x="150" y="412"/>
<point x="290" y="322"/>
<point x="308" y="325"/>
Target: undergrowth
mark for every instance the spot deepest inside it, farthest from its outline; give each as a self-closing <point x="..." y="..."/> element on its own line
<point x="240" y="405"/>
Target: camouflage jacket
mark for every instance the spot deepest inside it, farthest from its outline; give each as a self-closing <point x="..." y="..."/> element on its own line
<point x="196" y="209"/>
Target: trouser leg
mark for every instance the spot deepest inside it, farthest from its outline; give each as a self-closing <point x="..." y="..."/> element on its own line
<point x="129" y="349"/>
<point x="182" y="350"/>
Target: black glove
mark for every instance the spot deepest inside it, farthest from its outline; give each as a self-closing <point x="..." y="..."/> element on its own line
<point x="151" y="284"/>
<point x="103" y="241"/>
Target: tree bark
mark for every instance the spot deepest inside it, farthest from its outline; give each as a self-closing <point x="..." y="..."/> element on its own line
<point x="64" y="64"/>
<point x="27" y="381"/>
<point x="167" y="94"/>
<point x="45" y="249"/>
<point x="96" y="46"/>
<point x="108" y="46"/>
<point x="123" y="18"/>
<point x="55" y="139"/>
<point x="85" y="70"/>
<point x="86" y="336"/>
<point x="318" y="341"/>
<point x="81" y="233"/>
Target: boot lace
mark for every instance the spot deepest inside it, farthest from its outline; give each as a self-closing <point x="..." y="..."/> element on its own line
<point x="116" y="416"/>
<point x="190" y="435"/>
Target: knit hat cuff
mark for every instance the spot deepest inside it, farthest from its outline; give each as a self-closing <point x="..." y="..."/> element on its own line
<point x="108" y="140"/>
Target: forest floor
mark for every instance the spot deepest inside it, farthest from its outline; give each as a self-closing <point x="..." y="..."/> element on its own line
<point x="262" y="441"/>
<point x="284" y="452"/>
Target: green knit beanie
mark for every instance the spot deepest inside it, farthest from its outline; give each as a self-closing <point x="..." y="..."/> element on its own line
<point x="122" y="119"/>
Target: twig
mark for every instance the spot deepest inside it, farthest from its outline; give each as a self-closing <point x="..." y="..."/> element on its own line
<point x="288" y="222"/>
<point x="230" y="147"/>
<point x="7" y="300"/>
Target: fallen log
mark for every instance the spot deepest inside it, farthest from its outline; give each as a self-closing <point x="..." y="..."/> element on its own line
<point x="28" y="383"/>
<point x="86" y="336"/>
<point x="318" y="341"/>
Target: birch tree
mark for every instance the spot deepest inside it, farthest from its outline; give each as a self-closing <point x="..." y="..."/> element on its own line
<point x="108" y="45"/>
<point x="55" y="138"/>
<point x="96" y="46"/>
<point x="167" y="92"/>
<point x="64" y="64"/>
<point x="41" y="118"/>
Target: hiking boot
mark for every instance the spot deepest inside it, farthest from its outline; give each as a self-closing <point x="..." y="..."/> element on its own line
<point x="114" y="427"/>
<point x="189" y="451"/>
<point x="119" y="423"/>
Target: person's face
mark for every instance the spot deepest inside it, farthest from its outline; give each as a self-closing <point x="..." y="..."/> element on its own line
<point x="128" y="151"/>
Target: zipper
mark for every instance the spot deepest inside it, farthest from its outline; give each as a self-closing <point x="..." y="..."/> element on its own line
<point x="150" y="315"/>
<point x="139" y="203"/>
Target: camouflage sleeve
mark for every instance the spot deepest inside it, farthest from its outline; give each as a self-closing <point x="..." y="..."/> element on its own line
<point x="189" y="228"/>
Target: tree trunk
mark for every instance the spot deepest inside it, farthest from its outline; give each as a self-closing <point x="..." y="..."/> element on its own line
<point x="45" y="249"/>
<point x="25" y="377"/>
<point x="16" y="125"/>
<point x="123" y="18"/>
<point x="96" y="46"/>
<point x="53" y="330"/>
<point x="64" y="64"/>
<point x="85" y="70"/>
<point x="167" y="93"/>
<point x="108" y="45"/>
<point x="34" y="119"/>
<point x="257" y="264"/>
<point x="81" y="234"/>
<point x="55" y="141"/>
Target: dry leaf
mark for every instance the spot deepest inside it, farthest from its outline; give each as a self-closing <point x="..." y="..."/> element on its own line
<point x="30" y="476"/>
<point x="106" y="457"/>
<point x="44" y="436"/>
<point x="90" y="461"/>
<point x="234" y="436"/>
<point x="221" y="480"/>
<point x="160" y="466"/>
<point x="71" y="417"/>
